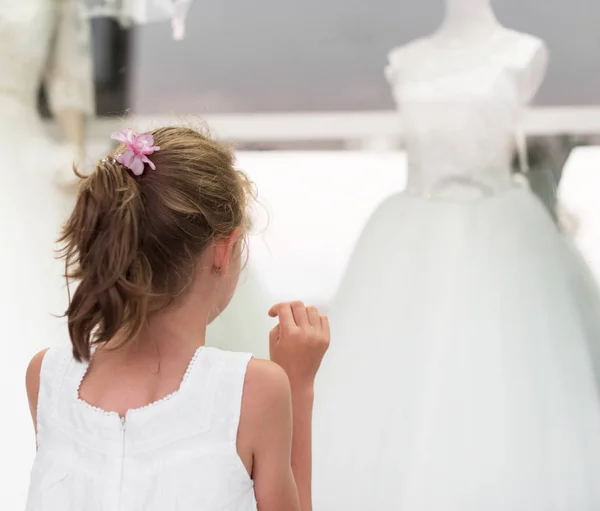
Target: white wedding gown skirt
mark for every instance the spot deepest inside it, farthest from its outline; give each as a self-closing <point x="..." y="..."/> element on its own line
<point x="460" y="376"/>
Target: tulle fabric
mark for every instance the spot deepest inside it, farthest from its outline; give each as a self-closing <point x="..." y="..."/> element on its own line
<point x="462" y="376"/>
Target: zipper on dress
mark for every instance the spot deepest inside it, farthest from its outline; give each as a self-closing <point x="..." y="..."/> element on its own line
<point x="123" y="427"/>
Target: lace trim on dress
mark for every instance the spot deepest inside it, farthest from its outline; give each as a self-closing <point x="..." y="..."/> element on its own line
<point x="112" y="413"/>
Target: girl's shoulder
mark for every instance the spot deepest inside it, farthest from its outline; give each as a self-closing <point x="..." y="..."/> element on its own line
<point x="32" y="380"/>
<point x="266" y="378"/>
<point x="267" y="400"/>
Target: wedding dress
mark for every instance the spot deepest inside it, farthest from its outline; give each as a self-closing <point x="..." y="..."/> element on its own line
<point x="41" y="41"/>
<point x="461" y="376"/>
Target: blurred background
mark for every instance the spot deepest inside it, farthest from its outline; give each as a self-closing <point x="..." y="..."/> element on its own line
<point x="298" y="88"/>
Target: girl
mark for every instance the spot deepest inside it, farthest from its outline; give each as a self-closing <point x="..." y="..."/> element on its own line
<point x="138" y="414"/>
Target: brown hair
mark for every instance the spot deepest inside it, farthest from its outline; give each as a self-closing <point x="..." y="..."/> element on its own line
<point x="132" y="243"/>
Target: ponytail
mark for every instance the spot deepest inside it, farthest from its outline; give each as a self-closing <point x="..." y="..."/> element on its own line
<point x="101" y="246"/>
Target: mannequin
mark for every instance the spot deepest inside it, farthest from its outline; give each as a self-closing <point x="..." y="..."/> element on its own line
<point x="465" y="323"/>
<point x="468" y="28"/>
<point x="468" y="20"/>
<point x="41" y="43"/>
<point x="470" y="38"/>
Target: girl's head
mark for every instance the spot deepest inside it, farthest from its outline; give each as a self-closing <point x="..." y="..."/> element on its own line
<point x="137" y="245"/>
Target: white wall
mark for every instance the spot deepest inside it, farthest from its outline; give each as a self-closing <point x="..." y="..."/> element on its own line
<point x="312" y="208"/>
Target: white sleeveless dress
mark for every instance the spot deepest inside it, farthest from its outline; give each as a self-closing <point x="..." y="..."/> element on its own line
<point x="177" y="453"/>
<point x="461" y="377"/>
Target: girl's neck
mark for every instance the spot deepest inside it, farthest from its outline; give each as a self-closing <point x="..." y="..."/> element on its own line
<point x="468" y="20"/>
<point x="177" y="330"/>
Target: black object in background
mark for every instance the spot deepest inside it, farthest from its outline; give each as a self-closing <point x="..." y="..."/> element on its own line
<point x="110" y="56"/>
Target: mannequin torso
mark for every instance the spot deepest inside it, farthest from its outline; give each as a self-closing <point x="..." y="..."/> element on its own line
<point x="437" y="56"/>
<point x="467" y="30"/>
<point x="461" y="91"/>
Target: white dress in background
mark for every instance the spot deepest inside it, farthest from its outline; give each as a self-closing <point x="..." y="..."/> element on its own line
<point x="41" y="41"/>
<point x="578" y="203"/>
<point x="461" y="376"/>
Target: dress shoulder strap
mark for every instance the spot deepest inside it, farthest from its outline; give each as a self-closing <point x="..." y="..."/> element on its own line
<point x="228" y="390"/>
<point x="54" y="370"/>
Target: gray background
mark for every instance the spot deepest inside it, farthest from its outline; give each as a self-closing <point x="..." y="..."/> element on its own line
<point x="307" y="55"/>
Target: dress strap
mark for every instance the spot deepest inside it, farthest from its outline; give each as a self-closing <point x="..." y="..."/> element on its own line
<point x="237" y="375"/>
<point x="54" y="371"/>
<point x="228" y="389"/>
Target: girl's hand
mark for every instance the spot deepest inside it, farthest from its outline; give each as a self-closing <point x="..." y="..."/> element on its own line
<point x="299" y="342"/>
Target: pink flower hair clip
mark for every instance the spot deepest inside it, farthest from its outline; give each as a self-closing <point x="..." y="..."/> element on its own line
<point x="138" y="148"/>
